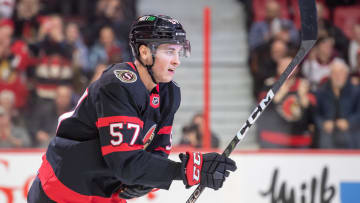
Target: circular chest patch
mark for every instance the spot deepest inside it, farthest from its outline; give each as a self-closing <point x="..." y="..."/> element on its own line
<point x="126" y="76"/>
<point x="290" y="108"/>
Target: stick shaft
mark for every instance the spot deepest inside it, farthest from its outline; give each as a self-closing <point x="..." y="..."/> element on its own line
<point x="304" y="49"/>
<point x="308" y="39"/>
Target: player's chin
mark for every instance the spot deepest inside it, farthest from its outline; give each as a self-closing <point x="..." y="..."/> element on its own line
<point x="166" y="79"/>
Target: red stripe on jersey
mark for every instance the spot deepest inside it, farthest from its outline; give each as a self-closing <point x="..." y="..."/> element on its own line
<point x="58" y="192"/>
<point x="132" y="65"/>
<point x="162" y="149"/>
<point x="105" y="121"/>
<point x="165" y="130"/>
<point x="123" y="147"/>
<point x="286" y="139"/>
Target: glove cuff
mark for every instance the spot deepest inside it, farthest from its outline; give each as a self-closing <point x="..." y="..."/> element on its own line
<point x="184" y="159"/>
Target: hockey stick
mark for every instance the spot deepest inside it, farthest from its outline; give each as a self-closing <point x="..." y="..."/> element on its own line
<point x="308" y="39"/>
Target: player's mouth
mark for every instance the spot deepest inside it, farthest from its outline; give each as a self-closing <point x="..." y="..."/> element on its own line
<point x="171" y="70"/>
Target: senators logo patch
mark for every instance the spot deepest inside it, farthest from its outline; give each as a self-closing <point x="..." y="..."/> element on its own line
<point x="126" y="76"/>
<point x="149" y="136"/>
<point x="290" y="108"/>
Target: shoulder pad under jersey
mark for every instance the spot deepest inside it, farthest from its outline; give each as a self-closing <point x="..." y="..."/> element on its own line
<point x="171" y="92"/>
<point x="126" y="76"/>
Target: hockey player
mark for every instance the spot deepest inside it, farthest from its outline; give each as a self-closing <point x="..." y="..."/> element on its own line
<point x="115" y="144"/>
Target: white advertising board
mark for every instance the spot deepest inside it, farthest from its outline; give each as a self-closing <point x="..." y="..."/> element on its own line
<point x="261" y="177"/>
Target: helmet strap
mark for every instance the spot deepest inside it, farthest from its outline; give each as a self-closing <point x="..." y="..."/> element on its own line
<point x="149" y="68"/>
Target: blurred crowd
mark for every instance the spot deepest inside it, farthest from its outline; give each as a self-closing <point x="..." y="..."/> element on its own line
<point x="50" y="50"/>
<point x="319" y="105"/>
<point x="193" y="133"/>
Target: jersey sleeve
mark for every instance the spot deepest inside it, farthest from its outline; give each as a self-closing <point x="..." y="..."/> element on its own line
<point x="119" y="126"/>
<point x="163" y="140"/>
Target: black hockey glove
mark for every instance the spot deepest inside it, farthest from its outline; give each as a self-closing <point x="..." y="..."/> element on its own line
<point x="210" y="170"/>
<point x="134" y="191"/>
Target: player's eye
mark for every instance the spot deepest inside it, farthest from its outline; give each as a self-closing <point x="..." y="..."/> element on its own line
<point x="171" y="52"/>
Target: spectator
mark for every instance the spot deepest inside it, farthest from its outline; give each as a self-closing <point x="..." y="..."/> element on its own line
<point x="263" y="62"/>
<point x="53" y="59"/>
<point x="107" y="49"/>
<point x="6" y="8"/>
<point x="67" y="8"/>
<point x="7" y="102"/>
<point x="338" y="109"/>
<point x="272" y="27"/>
<point x="316" y="67"/>
<point x="80" y="57"/>
<point x="327" y="29"/>
<point x="45" y="119"/>
<point x="198" y="120"/>
<point x="74" y="39"/>
<point x="11" y="135"/>
<point x="13" y="63"/>
<point x="27" y="20"/>
<point x="98" y="72"/>
<point x="287" y="121"/>
<point x="355" y="75"/>
<point x="116" y="14"/>
<point x="191" y="136"/>
<point x="354" y="47"/>
<point x="129" y="8"/>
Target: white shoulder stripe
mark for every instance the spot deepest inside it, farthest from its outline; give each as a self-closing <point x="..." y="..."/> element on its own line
<point x="69" y="114"/>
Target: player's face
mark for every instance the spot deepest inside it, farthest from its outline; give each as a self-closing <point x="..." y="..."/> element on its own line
<point x="166" y="61"/>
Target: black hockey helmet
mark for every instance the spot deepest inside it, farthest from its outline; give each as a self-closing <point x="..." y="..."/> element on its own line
<point x="153" y="30"/>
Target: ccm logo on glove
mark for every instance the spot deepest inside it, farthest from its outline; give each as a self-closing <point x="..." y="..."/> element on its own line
<point x="210" y="170"/>
<point x="194" y="167"/>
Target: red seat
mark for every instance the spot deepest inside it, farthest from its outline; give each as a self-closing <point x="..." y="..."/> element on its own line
<point x="346" y="17"/>
<point x="259" y="9"/>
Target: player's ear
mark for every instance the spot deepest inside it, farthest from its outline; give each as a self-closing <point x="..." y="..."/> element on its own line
<point x="145" y="54"/>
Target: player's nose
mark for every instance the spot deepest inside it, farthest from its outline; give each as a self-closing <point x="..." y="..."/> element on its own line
<point x="175" y="61"/>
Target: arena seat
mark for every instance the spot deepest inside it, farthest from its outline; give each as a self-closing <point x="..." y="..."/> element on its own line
<point x="346" y="17"/>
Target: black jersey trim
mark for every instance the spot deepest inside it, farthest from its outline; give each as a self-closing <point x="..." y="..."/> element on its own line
<point x="163" y="150"/>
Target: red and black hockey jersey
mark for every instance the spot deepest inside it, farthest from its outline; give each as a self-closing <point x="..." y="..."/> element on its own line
<point x="119" y="133"/>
